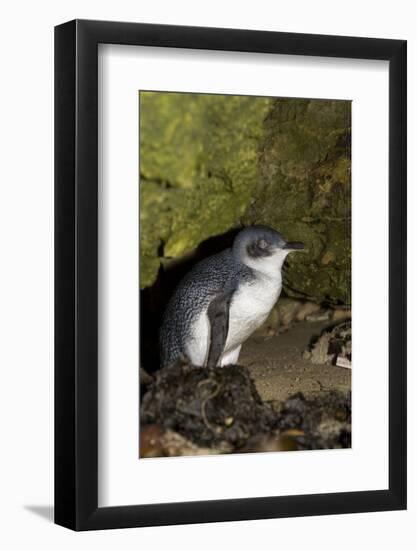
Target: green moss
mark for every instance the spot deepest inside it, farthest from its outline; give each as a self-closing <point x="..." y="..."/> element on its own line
<point x="198" y="169"/>
<point x="305" y="193"/>
<point x="209" y="162"/>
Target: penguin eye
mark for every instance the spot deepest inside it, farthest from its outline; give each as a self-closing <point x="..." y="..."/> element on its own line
<point x="263" y="244"/>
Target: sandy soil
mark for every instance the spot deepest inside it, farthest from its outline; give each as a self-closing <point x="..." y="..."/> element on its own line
<point x="279" y="370"/>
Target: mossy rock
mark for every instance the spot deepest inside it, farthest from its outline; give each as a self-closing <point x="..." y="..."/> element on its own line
<point x="211" y="162"/>
<point x="199" y="168"/>
<point x="305" y="192"/>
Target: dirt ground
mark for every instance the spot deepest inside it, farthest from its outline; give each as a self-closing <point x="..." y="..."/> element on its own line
<point x="274" y="400"/>
<point x="279" y="370"/>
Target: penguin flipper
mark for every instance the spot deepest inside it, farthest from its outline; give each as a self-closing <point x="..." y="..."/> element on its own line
<point x="218" y="314"/>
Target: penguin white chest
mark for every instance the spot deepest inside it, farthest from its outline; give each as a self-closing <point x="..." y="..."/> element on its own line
<point x="250" y="307"/>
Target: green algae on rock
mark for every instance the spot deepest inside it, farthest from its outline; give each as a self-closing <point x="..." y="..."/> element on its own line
<point x="199" y="168"/>
<point x="211" y="162"/>
<point x="305" y="192"/>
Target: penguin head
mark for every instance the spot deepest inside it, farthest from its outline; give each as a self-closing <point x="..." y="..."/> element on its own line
<point x="263" y="249"/>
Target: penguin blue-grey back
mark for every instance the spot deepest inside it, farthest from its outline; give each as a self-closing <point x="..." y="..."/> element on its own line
<point x="224" y="298"/>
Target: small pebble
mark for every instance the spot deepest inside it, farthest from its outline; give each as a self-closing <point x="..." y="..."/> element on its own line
<point x="321" y="315"/>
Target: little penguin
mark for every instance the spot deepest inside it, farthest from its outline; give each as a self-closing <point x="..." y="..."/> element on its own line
<point x="224" y="299"/>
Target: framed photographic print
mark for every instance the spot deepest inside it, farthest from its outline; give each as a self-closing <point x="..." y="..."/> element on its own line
<point x="230" y="275"/>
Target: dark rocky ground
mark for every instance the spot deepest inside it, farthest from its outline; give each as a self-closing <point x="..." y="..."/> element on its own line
<point x="276" y="399"/>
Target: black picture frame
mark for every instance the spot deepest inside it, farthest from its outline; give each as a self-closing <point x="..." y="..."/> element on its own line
<point x="76" y="271"/>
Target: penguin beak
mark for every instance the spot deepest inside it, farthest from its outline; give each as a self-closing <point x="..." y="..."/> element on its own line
<point x="294" y="245"/>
